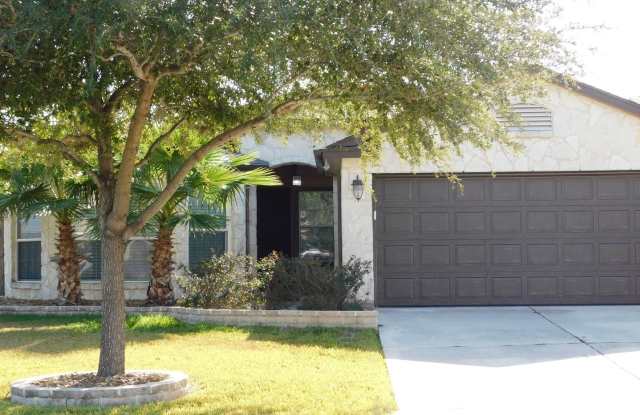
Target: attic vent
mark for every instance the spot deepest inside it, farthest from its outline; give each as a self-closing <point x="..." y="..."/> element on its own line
<point x="533" y="119"/>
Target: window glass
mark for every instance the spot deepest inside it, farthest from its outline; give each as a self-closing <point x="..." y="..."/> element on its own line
<point x="30" y="228"/>
<point x="29" y="249"/>
<point x="91" y="264"/>
<point x="137" y="260"/>
<point x="205" y="245"/>
<point x="29" y="260"/>
<point x="316" y="224"/>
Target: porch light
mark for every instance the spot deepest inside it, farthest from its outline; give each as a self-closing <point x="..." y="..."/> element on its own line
<point x="297" y="181"/>
<point x="357" y="187"/>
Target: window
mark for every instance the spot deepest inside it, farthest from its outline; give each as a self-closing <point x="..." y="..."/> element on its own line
<point x="316" y="224"/>
<point x="29" y="240"/>
<point x="137" y="259"/>
<point x="204" y="245"/>
<point x="532" y="119"/>
<point x="91" y="264"/>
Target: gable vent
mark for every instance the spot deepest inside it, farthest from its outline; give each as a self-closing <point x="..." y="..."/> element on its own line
<point x="533" y="119"/>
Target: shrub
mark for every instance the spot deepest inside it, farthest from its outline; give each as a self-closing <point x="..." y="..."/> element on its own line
<point x="226" y="281"/>
<point x="312" y="284"/>
<point x="276" y="282"/>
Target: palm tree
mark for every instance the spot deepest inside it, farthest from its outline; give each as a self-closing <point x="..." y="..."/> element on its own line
<point x="215" y="182"/>
<point x="37" y="190"/>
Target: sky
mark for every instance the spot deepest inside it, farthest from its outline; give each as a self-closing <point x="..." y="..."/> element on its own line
<point x="610" y="56"/>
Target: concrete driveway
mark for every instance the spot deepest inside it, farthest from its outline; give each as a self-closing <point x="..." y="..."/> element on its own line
<point x="514" y="360"/>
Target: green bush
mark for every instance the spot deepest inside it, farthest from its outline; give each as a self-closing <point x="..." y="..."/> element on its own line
<point x="226" y="281"/>
<point x="274" y="282"/>
<point x="311" y="284"/>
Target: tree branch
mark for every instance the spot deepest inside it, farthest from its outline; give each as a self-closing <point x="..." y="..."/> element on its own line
<point x="79" y="138"/>
<point x="198" y="155"/>
<point x="63" y="149"/>
<point x="116" y="96"/>
<point x="122" y="191"/>
<point x="158" y="142"/>
<point x="133" y="62"/>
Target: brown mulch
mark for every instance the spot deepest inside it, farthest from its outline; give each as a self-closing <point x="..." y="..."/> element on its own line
<point x="90" y="380"/>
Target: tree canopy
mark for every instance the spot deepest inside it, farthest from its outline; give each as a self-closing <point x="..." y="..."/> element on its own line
<point x="100" y="84"/>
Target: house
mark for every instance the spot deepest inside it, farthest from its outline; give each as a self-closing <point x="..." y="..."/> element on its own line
<point x="559" y="223"/>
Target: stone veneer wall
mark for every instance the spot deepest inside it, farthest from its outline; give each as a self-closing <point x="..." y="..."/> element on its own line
<point x="367" y="319"/>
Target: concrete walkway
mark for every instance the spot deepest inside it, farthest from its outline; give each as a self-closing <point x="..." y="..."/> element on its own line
<point x="514" y="360"/>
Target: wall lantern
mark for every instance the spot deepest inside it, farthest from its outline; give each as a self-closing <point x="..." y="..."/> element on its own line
<point x="357" y="187"/>
<point x="297" y="181"/>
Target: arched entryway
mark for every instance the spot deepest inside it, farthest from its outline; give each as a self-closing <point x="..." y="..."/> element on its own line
<point x="297" y="218"/>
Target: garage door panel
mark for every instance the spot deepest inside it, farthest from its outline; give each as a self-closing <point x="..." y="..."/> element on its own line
<point x="509" y="221"/>
<point x="506" y="254"/>
<point x="434" y="191"/>
<point x="614" y="221"/>
<point x="565" y="239"/>
<point x="507" y="287"/>
<point x="467" y="254"/>
<point x="540" y="190"/>
<point x="579" y="286"/>
<point x="578" y="221"/>
<point x="542" y="286"/>
<point x="397" y="221"/>
<point x="435" y="288"/>
<point x="472" y="287"/>
<point x="576" y="188"/>
<point x="542" y="253"/>
<point x="616" y="253"/>
<point x="616" y="285"/>
<point x="542" y="221"/>
<point x="470" y="222"/>
<point x="472" y="190"/>
<point x="506" y="190"/>
<point x="613" y="188"/>
<point x="435" y="255"/>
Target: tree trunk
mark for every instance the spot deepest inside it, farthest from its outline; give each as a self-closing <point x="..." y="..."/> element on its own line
<point x="112" y="339"/>
<point x="159" y="291"/>
<point x="68" y="264"/>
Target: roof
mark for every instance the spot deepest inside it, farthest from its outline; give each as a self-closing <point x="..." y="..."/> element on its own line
<point x="605" y="97"/>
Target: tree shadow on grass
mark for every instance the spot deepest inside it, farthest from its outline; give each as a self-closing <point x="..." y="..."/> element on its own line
<point x="61" y="334"/>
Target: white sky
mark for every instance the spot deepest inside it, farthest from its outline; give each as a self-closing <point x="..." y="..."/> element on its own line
<point x="610" y="57"/>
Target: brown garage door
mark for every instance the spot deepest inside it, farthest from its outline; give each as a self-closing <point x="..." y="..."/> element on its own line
<point x="513" y="239"/>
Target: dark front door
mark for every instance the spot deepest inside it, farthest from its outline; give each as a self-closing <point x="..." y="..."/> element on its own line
<point x="514" y="239"/>
<point x="275" y="225"/>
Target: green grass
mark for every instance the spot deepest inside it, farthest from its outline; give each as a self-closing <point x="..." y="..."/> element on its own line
<point x="254" y="370"/>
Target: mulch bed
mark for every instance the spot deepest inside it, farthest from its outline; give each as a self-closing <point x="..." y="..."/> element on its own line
<point x="90" y="380"/>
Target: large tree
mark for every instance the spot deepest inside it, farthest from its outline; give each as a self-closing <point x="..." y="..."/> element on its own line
<point x="101" y="84"/>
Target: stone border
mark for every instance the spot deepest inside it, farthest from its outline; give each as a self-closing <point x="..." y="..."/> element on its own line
<point x="175" y="386"/>
<point x="276" y="318"/>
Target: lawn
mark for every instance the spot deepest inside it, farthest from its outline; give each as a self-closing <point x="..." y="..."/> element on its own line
<point x="234" y="370"/>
